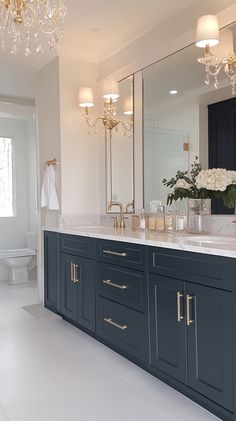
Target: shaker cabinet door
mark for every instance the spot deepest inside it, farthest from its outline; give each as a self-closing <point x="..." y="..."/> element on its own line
<point x="167" y="326"/>
<point x="210" y="343"/>
<point x="69" y="290"/>
<point x="85" y="278"/>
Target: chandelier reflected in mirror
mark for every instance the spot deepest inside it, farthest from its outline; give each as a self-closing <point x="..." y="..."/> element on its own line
<point x="109" y="119"/>
<point x="31" y="25"/>
<point x="224" y="59"/>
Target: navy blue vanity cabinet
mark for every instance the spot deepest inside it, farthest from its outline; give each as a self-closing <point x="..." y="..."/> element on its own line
<point x="122" y="298"/>
<point x="51" y="271"/>
<point x="191" y="324"/>
<point x="210" y="343"/>
<point x="167" y="326"/>
<point x="77" y="291"/>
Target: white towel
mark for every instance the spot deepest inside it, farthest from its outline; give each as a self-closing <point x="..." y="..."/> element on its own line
<point x="49" y="197"/>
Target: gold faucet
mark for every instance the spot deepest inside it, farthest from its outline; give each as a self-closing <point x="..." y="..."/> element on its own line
<point x="122" y="221"/>
<point x="129" y="205"/>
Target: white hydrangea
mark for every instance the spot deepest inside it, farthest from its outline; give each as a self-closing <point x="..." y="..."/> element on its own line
<point x="182" y="184"/>
<point x="233" y="175"/>
<point x="216" y="179"/>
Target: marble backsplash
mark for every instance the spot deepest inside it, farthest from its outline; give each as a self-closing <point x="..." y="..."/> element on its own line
<point x="220" y="224"/>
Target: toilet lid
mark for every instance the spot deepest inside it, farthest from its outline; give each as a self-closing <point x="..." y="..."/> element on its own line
<point x="5" y="254"/>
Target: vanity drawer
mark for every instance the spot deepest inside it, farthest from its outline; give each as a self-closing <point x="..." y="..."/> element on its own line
<point x="123" y="328"/>
<point x="125" y="286"/>
<point x="77" y="245"/>
<point x="121" y="253"/>
<point x="195" y="267"/>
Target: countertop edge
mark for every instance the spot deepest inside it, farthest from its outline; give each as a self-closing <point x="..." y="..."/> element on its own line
<point x="169" y="242"/>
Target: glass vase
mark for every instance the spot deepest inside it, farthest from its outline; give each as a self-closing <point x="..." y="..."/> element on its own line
<point x="199" y="216"/>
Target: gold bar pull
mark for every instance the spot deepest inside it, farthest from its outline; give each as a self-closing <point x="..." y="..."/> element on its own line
<point x="114" y="253"/>
<point x="179" y="316"/>
<point x="188" y="300"/>
<point x="76" y="279"/>
<point x="114" y="324"/>
<point x="112" y="284"/>
<point x="72" y="272"/>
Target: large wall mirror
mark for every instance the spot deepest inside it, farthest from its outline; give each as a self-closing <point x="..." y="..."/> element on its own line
<point x="184" y="117"/>
<point x="120" y="151"/>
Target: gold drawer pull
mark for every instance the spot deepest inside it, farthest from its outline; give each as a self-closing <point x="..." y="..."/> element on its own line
<point x="76" y="278"/>
<point x="112" y="284"/>
<point x="110" y="322"/>
<point x="179" y="316"/>
<point x="188" y="300"/>
<point x="72" y="272"/>
<point x="114" y="253"/>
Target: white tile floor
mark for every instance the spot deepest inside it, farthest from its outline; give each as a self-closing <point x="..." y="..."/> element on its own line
<point x="51" y="371"/>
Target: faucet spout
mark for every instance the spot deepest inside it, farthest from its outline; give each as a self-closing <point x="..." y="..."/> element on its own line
<point x="122" y="221"/>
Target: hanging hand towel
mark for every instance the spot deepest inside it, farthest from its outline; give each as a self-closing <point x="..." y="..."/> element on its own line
<point x="49" y="197"/>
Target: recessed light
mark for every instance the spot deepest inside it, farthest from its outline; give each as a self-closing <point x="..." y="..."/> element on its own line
<point x="173" y="92"/>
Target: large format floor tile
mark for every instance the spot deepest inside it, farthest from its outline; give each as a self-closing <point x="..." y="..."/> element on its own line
<point x="51" y="371"/>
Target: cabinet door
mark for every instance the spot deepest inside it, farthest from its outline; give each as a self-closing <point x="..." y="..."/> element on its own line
<point x="167" y="326"/>
<point x="210" y="347"/>
<point x="51" y="270"/>
<point x="85" y="275"/>
<point x="69" y="290"/>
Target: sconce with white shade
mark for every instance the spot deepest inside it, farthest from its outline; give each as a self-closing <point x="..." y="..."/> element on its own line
<point x="208" y="36"/>
<point x="208" y="33"/>
<point x="110" y="95"/>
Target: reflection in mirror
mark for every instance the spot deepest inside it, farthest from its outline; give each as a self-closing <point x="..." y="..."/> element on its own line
<point x="120" y="152"/>
<point x="184" y="118"/>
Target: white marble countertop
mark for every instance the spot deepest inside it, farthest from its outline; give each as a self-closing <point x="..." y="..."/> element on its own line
<point x="215" y="245"/>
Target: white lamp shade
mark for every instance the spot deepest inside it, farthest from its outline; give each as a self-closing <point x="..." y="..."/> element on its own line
<point x="86" y="97"/>
<point x="226" y="46"/>
<point x="110" y="89"/>
<point x="207" y="31"/>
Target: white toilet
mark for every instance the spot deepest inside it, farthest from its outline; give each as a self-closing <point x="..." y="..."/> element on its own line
<point x="20" y="261"/>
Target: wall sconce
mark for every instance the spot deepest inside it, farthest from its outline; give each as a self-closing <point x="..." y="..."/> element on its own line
<point x="108" y="119"/>
<point x="208" y="36"/>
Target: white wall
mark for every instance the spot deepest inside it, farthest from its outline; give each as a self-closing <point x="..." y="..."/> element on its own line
<point x="82" y="154"/>
<point x="48" y="128"/>
<point x="13" y="230"/>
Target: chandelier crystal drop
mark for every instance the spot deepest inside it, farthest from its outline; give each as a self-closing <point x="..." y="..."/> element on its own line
<point x="31" y="25"/>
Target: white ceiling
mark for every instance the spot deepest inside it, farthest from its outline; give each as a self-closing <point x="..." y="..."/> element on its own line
<point x="96" y="29"/>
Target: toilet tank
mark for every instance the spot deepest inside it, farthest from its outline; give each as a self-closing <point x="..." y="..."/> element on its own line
<point x="31" y="240"/>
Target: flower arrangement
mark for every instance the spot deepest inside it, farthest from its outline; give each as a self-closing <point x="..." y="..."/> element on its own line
<point x="203" y="184"/>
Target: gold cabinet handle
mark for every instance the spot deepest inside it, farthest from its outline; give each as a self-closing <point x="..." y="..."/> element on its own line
<point x="112" y="284"/>
<point x="179" y="316"/>
<point x="189" y="298"/>
<point x="76" y="278"/>
<point x="114" y="253"/>
<point x="114" y="324"/>
<point x="72" y="272"/>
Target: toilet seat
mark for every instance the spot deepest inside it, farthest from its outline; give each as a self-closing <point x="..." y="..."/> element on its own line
<point x="6" y="254"/>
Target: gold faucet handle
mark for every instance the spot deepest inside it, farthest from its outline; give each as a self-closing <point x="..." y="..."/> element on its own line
<point x="115" y="223"/>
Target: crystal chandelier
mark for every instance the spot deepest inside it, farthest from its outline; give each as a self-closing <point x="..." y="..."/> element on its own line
<point x="33" y="24"/>
<point x="108" y="119"/>
<point x="208" y="35"/>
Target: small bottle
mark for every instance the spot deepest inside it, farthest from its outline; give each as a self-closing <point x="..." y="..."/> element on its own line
<point x="160" y="221"/>
<point x="169" y="220"/>
<point x="142" y="220"/>
<point x="152" y="222"/>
